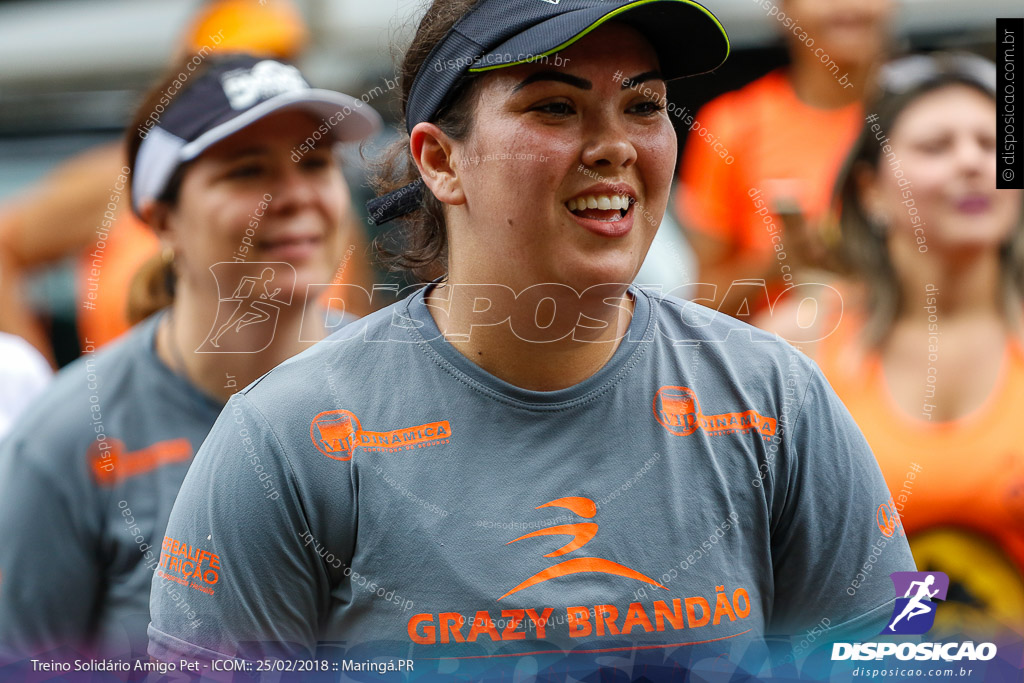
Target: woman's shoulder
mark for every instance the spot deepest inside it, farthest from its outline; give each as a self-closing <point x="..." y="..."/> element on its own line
<point x="684" y="321"/>
<point x="728" y="357"/>
<point x="725" y="344"/>
<point x="734" y="106"/>
<point x="84" y="397"/>
<point x="356" y="355"/>
<point x="24" y="374"/>
<point x="813" y="315"/>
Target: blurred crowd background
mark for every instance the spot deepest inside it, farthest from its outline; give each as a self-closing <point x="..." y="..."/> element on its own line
<point x="74" y="70"/>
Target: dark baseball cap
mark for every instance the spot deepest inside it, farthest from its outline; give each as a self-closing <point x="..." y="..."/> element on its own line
<point x="494" y="34"/>
<point x="231" y="94"/>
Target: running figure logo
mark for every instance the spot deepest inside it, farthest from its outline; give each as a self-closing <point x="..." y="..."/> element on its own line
<point x="581" y="533"/>
<point x="914" y="613"/>
<point x="254" y="300"/>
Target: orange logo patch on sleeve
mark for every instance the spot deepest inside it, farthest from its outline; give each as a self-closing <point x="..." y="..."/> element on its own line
<point x="338" y="433"/>
<point x="189" y="565"/>
<point x="888" y="519"/>
<point x="678" y="411"/>
<point x="334" y="433"/>
<point x="110" y="463"/>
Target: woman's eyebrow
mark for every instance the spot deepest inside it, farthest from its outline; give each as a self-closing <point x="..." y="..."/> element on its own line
<point x="552" y="75"/>
<point x="645" y="76"/>
<point x="255" y="150"/>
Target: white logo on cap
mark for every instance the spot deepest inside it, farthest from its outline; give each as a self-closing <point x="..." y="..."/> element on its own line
<point x="553" y="2"/>
<point x="246" y="87"/>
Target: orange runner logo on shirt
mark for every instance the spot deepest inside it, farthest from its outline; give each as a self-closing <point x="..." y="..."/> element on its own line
<point x="585" y="621"/>
<point x="677" y="410"/>
<point x="581" y="533"/>
<point x="337" y="434"/>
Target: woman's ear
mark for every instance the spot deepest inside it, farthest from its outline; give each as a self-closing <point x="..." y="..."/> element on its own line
<point x="432" y="151"/>
<point x="869" y="193"/>
<point x="158" y="216"/>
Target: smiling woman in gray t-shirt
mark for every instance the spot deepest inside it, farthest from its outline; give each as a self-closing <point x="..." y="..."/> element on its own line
<point x="525" y="457"/>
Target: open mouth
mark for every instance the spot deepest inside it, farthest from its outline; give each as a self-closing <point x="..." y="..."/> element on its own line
<point x="601" y="207"/>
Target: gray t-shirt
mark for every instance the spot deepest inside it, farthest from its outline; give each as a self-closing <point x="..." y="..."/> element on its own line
<point x="87" y="480"/>
<point x="382" y="494"/>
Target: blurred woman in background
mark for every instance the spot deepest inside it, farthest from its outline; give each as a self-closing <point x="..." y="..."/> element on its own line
<point x="757" y="176"/>
<point x="72" y="207"/>
<point x="925" y="348"/>
<point x="88" y="476"/>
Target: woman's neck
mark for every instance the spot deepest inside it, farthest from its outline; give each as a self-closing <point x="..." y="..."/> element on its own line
<point x="816" y="86"/>
<point x="951" y="334"/>
<point x="557" y="356"/>
<point x="241" y="355"/>
<point x="954" y="284"/>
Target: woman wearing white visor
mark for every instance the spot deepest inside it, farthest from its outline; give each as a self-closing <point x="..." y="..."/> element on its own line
<point x="89" y="474"/>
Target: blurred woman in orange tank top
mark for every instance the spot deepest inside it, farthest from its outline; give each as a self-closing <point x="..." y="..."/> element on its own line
<point x="924" y="343"/>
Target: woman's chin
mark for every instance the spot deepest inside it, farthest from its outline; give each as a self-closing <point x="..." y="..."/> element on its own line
<point x="312" y="278"/>
<point x="603" y="272"/>
<point x="977" y="235"/>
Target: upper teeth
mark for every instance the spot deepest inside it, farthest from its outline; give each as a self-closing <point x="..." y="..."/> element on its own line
<point x="599" y="201"/>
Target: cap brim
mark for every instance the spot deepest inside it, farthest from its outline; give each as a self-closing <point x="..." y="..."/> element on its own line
<point x="353" y="119"/>
<point x="687" y="37"/>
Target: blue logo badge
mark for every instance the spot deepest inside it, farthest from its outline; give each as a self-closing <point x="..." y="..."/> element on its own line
<point x="914" y="612"/>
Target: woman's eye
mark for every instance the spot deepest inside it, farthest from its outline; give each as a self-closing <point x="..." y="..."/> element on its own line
<point x="936" y="144"/>
<point x="555" y="108"/>
<point x="648" y="108"/>
<point x="315" y="163"/>
<point x="932" y="147"/>
<point x="245" y="171"/>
